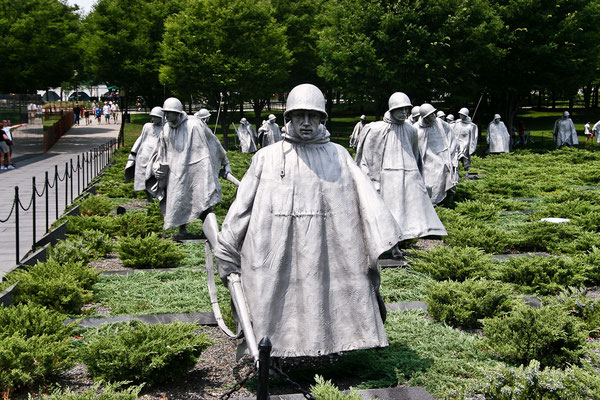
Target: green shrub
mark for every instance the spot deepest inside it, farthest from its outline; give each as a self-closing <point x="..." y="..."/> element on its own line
<point x="456" y="263"/>
<point x="566" y="209"/>
<point x="326" y="390"/>
<point x="142" y="353"/>
<point x="95" y="205"/>
<point x="541" y="275"/>
<point x="76" y="225"/>
<point x="97" y="392"/>
<point x="478" y="210"/>
<point x="532" y="382"/>
<point x="591" y="261"/>
<point x="548" y="334"/>
<point x="63" y="287"/>
<point x="138" y="223"/>
<point x="486" y="238"/>
<point x="90" y="245"/>
<point x="34" y="345"/>
<point x="149" y="252"/>
<point x="583" y="306"/>
<point x="583" y="242"/>
<point x="465" y="303"/>
<point x="544" y="236"/>
<point x="563" y="196"/>
<point x="589" y="221"/>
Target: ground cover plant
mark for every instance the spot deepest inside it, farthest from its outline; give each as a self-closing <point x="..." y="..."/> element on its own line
<point x="149" y="252"/>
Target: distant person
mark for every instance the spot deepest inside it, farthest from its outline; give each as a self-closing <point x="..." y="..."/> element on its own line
<point x="6" y="143"/>
<point x="564" y="131"/>
<point x="77" y="113"/>
<point x="86" y="114"/>
<point x="40" y="112"/>
<point x="521" y="132"/>
<point x="106" y="112"/>
<point x="355" y="137"/>
<point x="114" y="110"/>
<point x="588" y="132"/>
<point x="98" y="114"/>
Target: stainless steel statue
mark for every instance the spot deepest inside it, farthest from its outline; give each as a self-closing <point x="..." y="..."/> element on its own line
<point x="269" y="132"/>
<point x="436" y="148"/>
<point x="247" y="136"/>
<point x="564" y="131"/>
<point x="414" y="115"/>
<point x="203" y="114"/>
<point x="354" y="138"/>
<point x="465" y="133"/>
<point x="389" y="154"/>
<point x="184" y="173"/>
<point x="305" y="232"/>
<point x="498" y="137"/>
<point x="142" y="150"/>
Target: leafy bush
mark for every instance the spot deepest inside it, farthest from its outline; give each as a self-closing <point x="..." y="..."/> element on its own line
<point x="78" y="224"/>
<point x="149" y="252"/>
<point x="532" y="382"/>
<point x="548" y="334"/>
<point x="138" y="223"/>
<point x="566" y="209"/>
<point x="456" y="263"/>
<point x="34" y="345"/>
<point x="486" y="238"/>
<point x="326" y="390"/>
<point x="465" y="303"/>
<point x="97" y="392"/>
<point x="138" y="352"/>
<point x="589" y="221"/>
<point x="591" y="260"/>
<point x="541" y="275"/>
<point x="95" y="205"/>
<point x="90" y="245"/>
<point x="583" y="306"/>
<point x="63" y="287"/>
<point x="544" y="236"/>
<point x="478" y="210"/>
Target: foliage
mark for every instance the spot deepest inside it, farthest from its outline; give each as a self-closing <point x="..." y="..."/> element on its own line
<point x="95" y="205"/>
<point x="532" y="382"/>
<point x="591" y="260"/>
<point x="326" y="390"/>
<point x="478" y="210"/>
<point x="583" y="306"/>
<point x="90" y="245"/>
<point x="138" y="223"/>
<point x="466" y="303"/>
<point x="399" y="284"/>
<point x="34" y="345"/>
<point x="142" y="353"/>
<point x="149" y="252"/>
<point x="484" y="237"/>
<point x="548" y="334"/>
<point x="541" y="275"/>
<point x="49" y="31"/>
<point x="63" y="287"/>
<point x="76" y="225"/>
<point x="545" y="236"/>
<point x="456" y="263"/>
<point x="96" y="392"/>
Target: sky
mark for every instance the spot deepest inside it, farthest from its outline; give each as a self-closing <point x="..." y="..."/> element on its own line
<point x="84" y="5"/>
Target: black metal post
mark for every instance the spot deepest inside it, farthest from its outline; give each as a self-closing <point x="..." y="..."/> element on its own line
<point x="46" y="189"/>
<point x="71" y="174"/>
<point x="56" y="189"/>
<point x="264" y="356"/>
<point x="17" y="221"/>
<point x="78" y="177"/>
<point x="66" y="185"/>
<point x="34" y="217"/>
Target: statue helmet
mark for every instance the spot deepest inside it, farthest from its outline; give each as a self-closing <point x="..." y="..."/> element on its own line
<point x="426" y="109"/>
<point x="441" y="114"/>
<point x="566" y="114"/>
<point x="497" y="116"/>
<point x="202" y="113"/>
<point x="243" y="121"/>
<point x="172" y="104"/>
<point x="305" y="97"/>
<point x="464" y="111"/>
<point x="363" y="117"/>
<point x="398" y="100"/>
<point x="157" y="112"/>
<point x="414" y="112"/>
<point x="450" y="117"/>
<point x="272" y="117"/>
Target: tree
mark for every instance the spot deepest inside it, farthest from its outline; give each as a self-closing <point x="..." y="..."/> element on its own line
<point x="121" y="43"/>
<point x="38" y="44"/>
<point x="219" y="47"/>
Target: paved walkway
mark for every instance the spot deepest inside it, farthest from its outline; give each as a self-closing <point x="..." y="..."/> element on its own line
<point x="30" y="163"/>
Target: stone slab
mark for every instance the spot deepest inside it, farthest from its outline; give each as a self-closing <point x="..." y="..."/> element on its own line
<point x="392" y="263"/>
<point x="407" y="305"/>
<point x="127" y="272"/>
<point x="6" y="296"/>
<point x="397" y="393"/>
<point x="202" y="318"/>
<point x="73" y="212"/>
<point x="38" y="255"/>
<point x="59" y="233"/>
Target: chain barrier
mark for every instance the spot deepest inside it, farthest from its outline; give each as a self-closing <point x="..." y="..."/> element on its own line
<point x="238" y="385"/>
<point x="30" y="203"/>
<point x="43" y="191"/>
<point x="63" y="178"/>
<point x="51" y="186"/>
<point x="9" y="214"/>
<point x="307" y="395"/>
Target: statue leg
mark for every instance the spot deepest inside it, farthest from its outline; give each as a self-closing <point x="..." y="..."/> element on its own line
<point x="210" y="227"/>
<point x="182" y="230"/>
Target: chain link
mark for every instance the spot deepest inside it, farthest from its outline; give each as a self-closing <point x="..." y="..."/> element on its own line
<point x="63" y="178"/>
<point x="10" y="213"/>
<point x="54" y="184"/>
<point x="307" y="395"/>
<point x="43" y="191"/>
<point x="30" y="203"/>
<point x="251" y="374"/>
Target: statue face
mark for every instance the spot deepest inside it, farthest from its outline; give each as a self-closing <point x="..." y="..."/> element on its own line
<point x="400" y="114"/>
<point x="463" y="117"/>
<point x="305" y="123"/>
<point x="430" y="119"/>
<point x="171" y="116"/>
<point x="156" y="120"/>
<point x="497" y="120"/>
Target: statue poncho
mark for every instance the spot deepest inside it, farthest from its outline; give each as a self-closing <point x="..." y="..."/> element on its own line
<point x="498" y="137"/>
<point x="389" y="154"/>
<point x="565" y="133"/>
<point x="141" y="152"/>
<point x="269" y="133"/>
<point x="194" y="157"/>
<point x="435" y="149"/>
<point x="465" y="134"/>
<point x="355" y="137"/>
<point x="305" y="232"/>
<point x="247" y="137"/>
